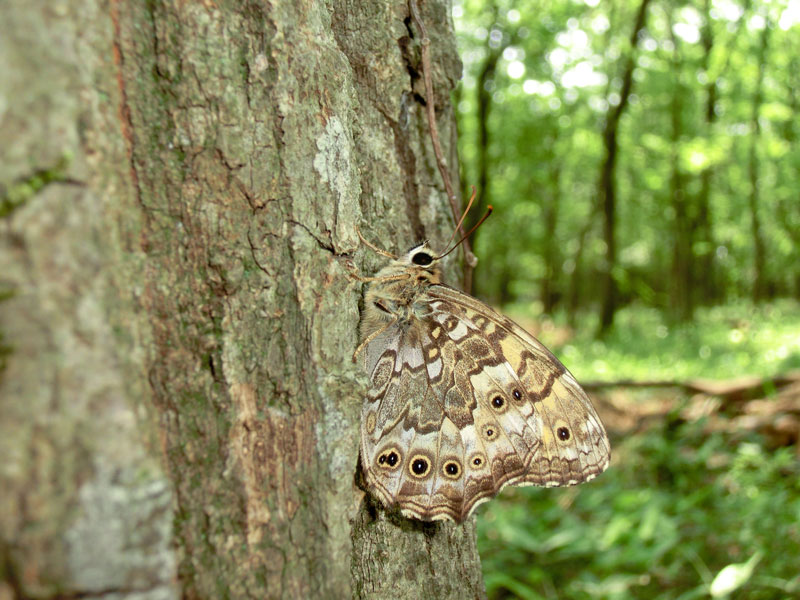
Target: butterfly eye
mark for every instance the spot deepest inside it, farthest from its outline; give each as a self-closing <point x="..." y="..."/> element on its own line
<point x="477" y="460"/>
<point x="517" y="395"/>
<point x="563" y="434"/>
<point x="389" y="458"/>
<point x="498" y="402"/>
<point x="419" y="466"/>
<point x="422" y="259"/>
<point x="451" y="469"/>
<point x="488" y="432"/>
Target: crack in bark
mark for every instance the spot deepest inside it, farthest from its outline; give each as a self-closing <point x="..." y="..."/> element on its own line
<point x="321" y="243"/>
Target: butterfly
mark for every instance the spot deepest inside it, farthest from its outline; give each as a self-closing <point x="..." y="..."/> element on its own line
<point x="462" y="401"/>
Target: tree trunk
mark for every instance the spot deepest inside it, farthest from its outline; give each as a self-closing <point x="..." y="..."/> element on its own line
<point x="759" y="252"/>
<point x="704" y="272"/>
<point x="680" y="286"/>
<point x="607" y="194"/>
<point x="483" y="187"/>
<point x="179" y="413"/>
<point x="551" y="254"/>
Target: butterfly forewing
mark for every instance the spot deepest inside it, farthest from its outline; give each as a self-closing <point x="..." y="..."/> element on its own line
<point x="572" y="437"/>
<point x="464" y="402"/>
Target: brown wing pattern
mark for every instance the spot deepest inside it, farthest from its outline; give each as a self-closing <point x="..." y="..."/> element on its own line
<point x="464" y="402"/>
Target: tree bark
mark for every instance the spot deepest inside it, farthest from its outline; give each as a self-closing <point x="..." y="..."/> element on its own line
<point x="759" y="251"/>
<point x="182" y="182"/>
<point x="551" y="249"/>
<point x="704" y="273"/>
<point x="680" y="286"/>
<point x="607" y="193"/>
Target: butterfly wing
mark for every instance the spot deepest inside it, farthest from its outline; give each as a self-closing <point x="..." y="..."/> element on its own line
<point x="406" y="432"/>
<point x="464" y="402"/>
<point x="569" y="443"/>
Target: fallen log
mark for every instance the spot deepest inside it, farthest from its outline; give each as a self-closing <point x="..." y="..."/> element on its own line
<point x="769" y="405"/>
<point x="732" y="390"/>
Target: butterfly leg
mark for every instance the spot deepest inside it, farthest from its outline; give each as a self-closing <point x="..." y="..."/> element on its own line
<point x="373" y="247"/>
<point x="373" y="335"/>
<point x="358" y="277"/>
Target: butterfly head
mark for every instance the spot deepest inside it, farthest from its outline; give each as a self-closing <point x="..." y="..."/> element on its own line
<point x="423" y="259"/>
<point x="421" y="255"/>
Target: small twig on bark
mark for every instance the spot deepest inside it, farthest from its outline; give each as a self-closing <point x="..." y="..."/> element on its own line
<point x="425" y="42"/>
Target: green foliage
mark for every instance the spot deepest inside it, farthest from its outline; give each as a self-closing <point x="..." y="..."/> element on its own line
<point x="679" y="509"/>
<point x="548" y="73"/>
<point x="707" y="220"/>
<point x="724" y="342"/>
<point x="676" y="507"/>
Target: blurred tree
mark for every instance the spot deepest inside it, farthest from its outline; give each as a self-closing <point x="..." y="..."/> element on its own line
<point x="760" y="283"/>
<point x="606" y="189"/>
<point x="496" y="42"/>
<point x="704" y="275"/>
<point x="680" y="291"/>
<point x="621" y="158"/>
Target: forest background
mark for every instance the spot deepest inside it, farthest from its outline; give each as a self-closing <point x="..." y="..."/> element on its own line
<point x="642" y="160"/>
<point x="180" y="187"/>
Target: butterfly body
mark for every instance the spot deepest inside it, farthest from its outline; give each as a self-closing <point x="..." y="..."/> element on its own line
<point x="463" y="401"/>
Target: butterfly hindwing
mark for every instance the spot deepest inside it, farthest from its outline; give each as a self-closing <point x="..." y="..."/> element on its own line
<point x="464" y="402"/>
<point x="573" y="443"/>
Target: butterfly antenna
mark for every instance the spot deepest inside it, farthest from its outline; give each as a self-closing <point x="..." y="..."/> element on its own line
<point x="469" y="233"/>
<point x="463" y="216"/>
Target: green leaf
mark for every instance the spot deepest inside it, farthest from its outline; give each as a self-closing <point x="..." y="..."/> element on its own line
<point x="734" y="576"/>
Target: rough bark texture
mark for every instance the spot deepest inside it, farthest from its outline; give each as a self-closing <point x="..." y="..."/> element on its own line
<point x="180" y="188"/>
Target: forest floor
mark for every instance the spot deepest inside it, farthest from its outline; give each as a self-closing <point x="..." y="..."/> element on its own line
<point x="702" y="497"/>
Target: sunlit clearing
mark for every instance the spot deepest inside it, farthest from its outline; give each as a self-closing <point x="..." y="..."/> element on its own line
<point x="583" y="75"/>
<point x="558" y="57"/>
<point x="726" y="9"/>
<point x="687" y="32"/>
<point x="575" y="41"/>
<point x="698" y="160"/>
<point x="790" y="16"/>
<point x="756" y="23"/>
<point x="540" y="88"/>
<point x="600" y="24"/>
<point x="515" y="69"/>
